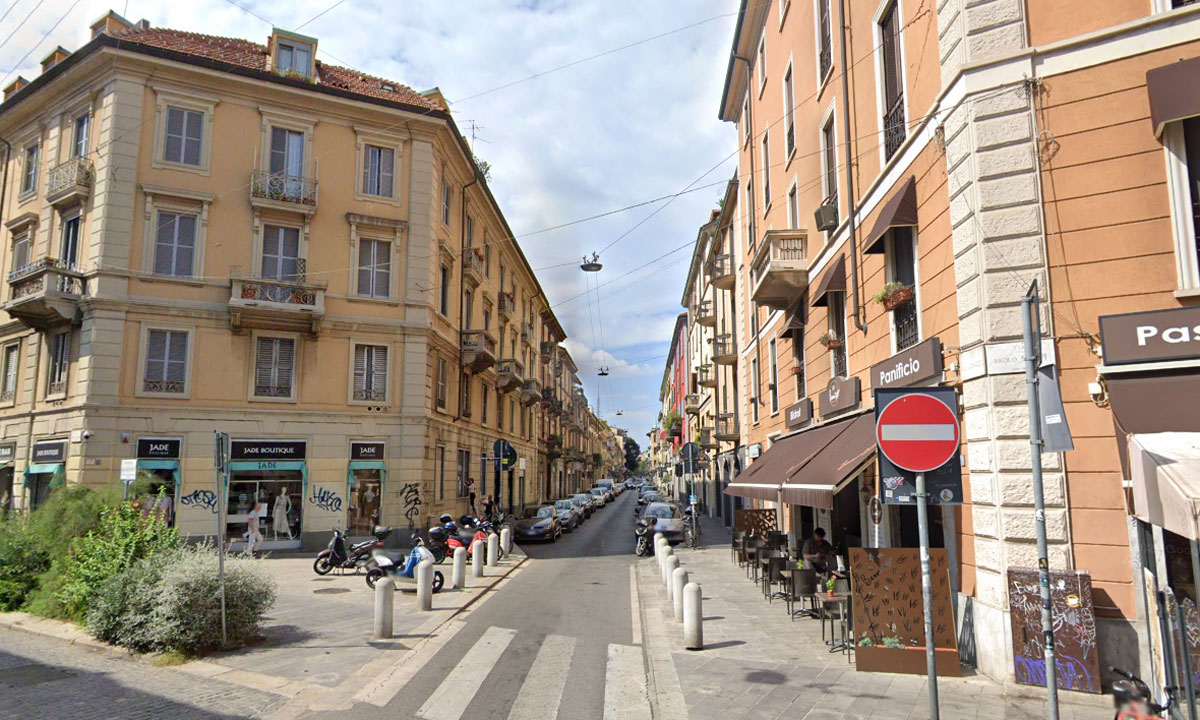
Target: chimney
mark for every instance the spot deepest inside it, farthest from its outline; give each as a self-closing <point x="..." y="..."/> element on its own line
<point x="14" y="87"/>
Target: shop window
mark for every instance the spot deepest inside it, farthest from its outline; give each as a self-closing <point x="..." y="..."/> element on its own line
<point x="174" y="244"/>
<point x="374" y="268"/>
<point x="366" y="497"/>
<point x="273" y="367"/>
<point x="278" y="498"/>
<point x="166" y="362"/>
<point x="370" y="373"/>
<point x="60" y="362"/>
<point x="378" y="170"/>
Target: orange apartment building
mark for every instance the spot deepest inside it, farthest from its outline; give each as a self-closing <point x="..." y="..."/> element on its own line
<point x="943" y="157"/>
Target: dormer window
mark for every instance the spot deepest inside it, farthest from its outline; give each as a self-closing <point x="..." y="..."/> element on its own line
<point x="294" y="55"/>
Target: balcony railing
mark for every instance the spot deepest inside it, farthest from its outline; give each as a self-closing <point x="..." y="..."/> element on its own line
<point x="276" y="304"/>
<point x="472" y="262"/>
<point x="905" y="319"/>
<point x="45" y="293"/>
<point x="779" y="274"/>
<point x="479" y="350"/>
<point x="707" y="376"/>
<point x="291" y="190"/>
<point x="894" y="129"/>
<point x="69" y="181"/>
<point x="506" y="305"/>
<point x="702" y="313"/>
<point x="527" y="333"/>
<point x="531" y="392"/>
<point x="727" y="427"/>
<point x="724" y="353"/>
<point x="691" y="404"/>
<point x="509" y="375"/>
<point x="721" y="271"/>
<point x="708" y="439"/>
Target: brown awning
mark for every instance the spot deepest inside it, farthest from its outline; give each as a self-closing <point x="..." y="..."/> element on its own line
<point x="1165" y="473"/>
<point x="900" y="210"/>
<point x="1174" y="92"/>
<point x="834" y="280"/>
<point x="796" y="318"/>
<point x="813" y="482"/>
<point x="764" y="476"/>
<point x="1153" y="403"/>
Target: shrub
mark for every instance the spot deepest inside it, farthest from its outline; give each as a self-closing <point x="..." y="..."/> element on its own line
<point x="71" y="511"/>
<point x="121" y="609"/>
<point x="21" y="562"/>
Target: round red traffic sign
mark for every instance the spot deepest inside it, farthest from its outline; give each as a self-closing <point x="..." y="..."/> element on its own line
<point x="917" y="432"/>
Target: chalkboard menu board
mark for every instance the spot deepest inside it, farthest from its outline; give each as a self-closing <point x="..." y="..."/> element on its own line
<point x="1077" y="657"/>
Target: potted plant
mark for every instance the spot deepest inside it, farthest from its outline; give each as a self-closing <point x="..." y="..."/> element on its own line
<point x="673" y="424"/>
<point x="893" y="295"/>
<point x="830" y="340"/>
<point x="829" y="585"/>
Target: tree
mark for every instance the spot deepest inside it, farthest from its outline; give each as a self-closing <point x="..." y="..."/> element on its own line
<point x="631" y="454"/>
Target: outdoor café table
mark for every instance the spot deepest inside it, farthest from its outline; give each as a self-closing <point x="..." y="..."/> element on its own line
<point x="841" y="601"/>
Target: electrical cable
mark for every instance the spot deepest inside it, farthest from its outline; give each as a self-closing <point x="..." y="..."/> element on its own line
<point x="4" y="83"/>
<point x="318" y="15"/>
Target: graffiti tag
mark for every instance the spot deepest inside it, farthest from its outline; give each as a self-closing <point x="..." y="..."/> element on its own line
<point x="326" y="500"/>
<point x="200" y="499"/>
<point x="412" y="503"/>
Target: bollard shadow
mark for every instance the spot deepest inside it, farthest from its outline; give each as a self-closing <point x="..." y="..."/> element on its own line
<point x="765" y="677"/>
<point x="725" y="644"/>
<point x="714" y="617"/>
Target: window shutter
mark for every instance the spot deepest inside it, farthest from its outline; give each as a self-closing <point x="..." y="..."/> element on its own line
<point x="10" y="368"/>
<point x="264" y="365"/>
<point x="21" y="251"/>
<point x="185" y="245"/>
<point x="360" y="371"/>
<point x="387" y="159"/>
<point x="365" y="268"/>
<point x="176" y="359"/>
<point x="368" y="162"/>
<point x="156" y="355"/>
<point x="173" y="145"/>
<point x="192" y="134"/>
<point x="284" y="364"/>
<point x="164" y="243"/>
<point x="379" y="367"/>
<point x="383" y="269"/>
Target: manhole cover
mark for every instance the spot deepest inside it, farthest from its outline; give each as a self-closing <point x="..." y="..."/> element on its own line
<point x="33" y="674"/>
<point x="331" y="591"/>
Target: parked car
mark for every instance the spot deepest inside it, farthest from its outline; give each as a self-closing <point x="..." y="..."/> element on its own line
<point x="601" y="496"/>
<point x="539" y="522"/>
<point x="570" y="516"/>
<point x="666" y="519"/>
<point x="589" y="503"/>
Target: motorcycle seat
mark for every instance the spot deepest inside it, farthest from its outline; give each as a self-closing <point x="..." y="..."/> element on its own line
<point x="398" y="557"/>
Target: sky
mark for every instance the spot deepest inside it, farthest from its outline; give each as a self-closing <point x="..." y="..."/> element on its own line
<point x="564" y="144"/>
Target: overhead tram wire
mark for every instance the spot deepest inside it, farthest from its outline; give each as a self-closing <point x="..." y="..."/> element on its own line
<point x="20" y="24"/>
<point x="317" y="16"/>
<point x="4" y="82"/>
<point x="10" y="9"/>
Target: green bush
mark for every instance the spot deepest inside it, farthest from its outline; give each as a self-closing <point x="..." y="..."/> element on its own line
<point x="21" y="562"/>
<point x="70" y="512"/>
<point x="121" y="610"/>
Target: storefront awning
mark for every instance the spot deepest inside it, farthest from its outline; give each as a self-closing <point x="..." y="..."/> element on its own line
<point x="58" y="470"/>
<point x="796" y="317"/>
<point x="1174" y="92"/>
<point x="1153" y="402"/>
<point x="1165" y="470"/>
<point x="271" y="466"/>
<point x="366" y="465"/>
<point x="814" y="482"/>
<point x="834" y="280"/>
<point x="147" y="464"/>
<point x="899" y="211"/>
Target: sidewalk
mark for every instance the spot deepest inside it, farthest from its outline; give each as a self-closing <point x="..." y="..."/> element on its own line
<point x="760" y="664"/>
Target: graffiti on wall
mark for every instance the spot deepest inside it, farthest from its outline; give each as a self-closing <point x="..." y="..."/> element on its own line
<point x="411" y="496"/>
<point x="200" y="499"/>
<point x="327" y="500"/>
<point x="1077" y="659"/>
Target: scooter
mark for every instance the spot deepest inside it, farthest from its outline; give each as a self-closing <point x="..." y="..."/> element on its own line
<point x="643" y="531"/>
<point x="401" y="567"/>
<point x="1132" y="697"/>
<point x="348" y="557"/>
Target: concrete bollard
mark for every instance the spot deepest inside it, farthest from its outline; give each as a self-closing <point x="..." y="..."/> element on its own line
<point x="459" y="577"/>
<point x="424" y="575"/>
<point x="506" y="540"/>
<point x="493" y="555"/>
<point x="679" y="579"/>
<point x="658" y="536"/>
<point x="693" y="613"/>
<point x="385" y="594"/>
<point x="477" y="558"/>
<point x="665" y="552"/>
<point x="669" y="566"/>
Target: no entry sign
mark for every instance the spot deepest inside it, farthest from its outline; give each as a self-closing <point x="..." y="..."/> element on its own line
<point x="917" y="432"/>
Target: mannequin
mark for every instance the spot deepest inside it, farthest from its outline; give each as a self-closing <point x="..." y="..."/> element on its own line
<point x="283" y="506"/>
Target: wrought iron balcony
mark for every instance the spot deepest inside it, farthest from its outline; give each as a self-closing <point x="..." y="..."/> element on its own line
<point x="282" y="191"/>
<point x="707" y="375"/>
<point x="69" y="182"/>
<point x="509" y="375"/>
<point x="479" y="350"/>
<point x="779" y="273"/>
<point x="531" y="392"/>
<point x="472" y="265"/>
<point x="45" y="293"/>
<point x="276" y="304"/>
<point x="727" y="428"/>
<point x="720" y="269"/>
<point x="506" y="305"/>
<point x="691" y="404"/>
<point x="894" y="128"/>
<point x="708" y="439"/>
<point x="702" y="313"/>
<point x="724" y="353"/>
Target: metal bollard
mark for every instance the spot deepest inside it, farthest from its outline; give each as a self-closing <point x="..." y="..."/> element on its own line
<point x="477" y="558"/>
<point x="385" y="593"/>
<point x="679" y="579"/>
<point x="459" y="577"/>
<point x="506" y="540"/>
<point x="424" y="575"/>
<point x="669" y="566"/>
<point x="493" y="550"/>
<point x="693" y="614"/>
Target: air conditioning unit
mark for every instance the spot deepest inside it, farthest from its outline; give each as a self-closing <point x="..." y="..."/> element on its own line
<point x="826" y="216"/>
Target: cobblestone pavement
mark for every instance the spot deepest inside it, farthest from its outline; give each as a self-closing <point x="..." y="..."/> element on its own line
<point x="43" y="677"/>
<point x="759" y="664"/>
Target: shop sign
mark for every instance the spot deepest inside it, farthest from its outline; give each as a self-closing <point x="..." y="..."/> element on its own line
<point x="840" y="394"/>
<point x="919" y="363"/>
<point x="1151" y="336"/>
<point x="49" y="452"/>
<point x="754" y="451"/>
<point x="361" y="450"/>
<point x="799" y="414"/>
<point x="158" y="448"/>
<point x="268" y="450"/>
<point x="7" y="452"/>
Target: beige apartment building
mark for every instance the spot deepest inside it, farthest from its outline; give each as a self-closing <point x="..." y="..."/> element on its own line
<point x="210" y="234"/>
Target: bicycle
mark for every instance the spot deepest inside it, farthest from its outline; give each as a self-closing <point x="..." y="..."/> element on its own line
<point x="693" y="528"/>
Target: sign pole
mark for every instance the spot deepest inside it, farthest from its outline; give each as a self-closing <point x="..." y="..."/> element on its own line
<point x="927" y="595"/>
<point x="221" y="455"/>
<point x="1031" y="323"/>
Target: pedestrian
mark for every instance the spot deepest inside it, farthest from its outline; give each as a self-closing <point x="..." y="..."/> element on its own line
<point x="471" y="485"/>
<point x="488" y="504"/>
<point x="816" y="551"/>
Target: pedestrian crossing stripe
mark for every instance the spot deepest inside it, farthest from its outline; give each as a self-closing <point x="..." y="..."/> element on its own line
<point x="542" y="690"/>
<point x="452" y="697"/>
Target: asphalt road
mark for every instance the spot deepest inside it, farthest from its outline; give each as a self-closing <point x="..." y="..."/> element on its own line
<point x="556" y="641"/>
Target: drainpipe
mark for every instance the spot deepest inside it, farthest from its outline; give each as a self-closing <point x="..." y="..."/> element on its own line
<point x="849" y="172"/>
<point x="462" y="284"/>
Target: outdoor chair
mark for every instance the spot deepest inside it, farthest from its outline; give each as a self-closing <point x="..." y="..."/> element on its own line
<point x="736" y="545"/>
<point x="774" y="576"/>
<point x="804" y="587"/>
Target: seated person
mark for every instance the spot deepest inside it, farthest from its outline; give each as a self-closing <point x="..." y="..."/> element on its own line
<point x="817" y="551"/>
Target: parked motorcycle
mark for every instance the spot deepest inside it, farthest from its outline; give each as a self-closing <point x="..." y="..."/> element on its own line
<point x="1132" y="698"/>
<point x="643" y="531"/>
<point x="401" y="567"/>
<point x="340" y="554"/>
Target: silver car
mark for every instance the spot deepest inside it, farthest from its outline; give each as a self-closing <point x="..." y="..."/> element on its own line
<point x="666" y="519"/>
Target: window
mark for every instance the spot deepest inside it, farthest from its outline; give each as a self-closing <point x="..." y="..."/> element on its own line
<point x="440" y="380"/>
<point x="487" y="318"/>
<point x="447" y="197"/>
<point x="1182" y="141"/>
<point x="824" y="40"/>
<point x="762" y="63"/>
<point x="370" y="372"/>
<point x="20" y="251"/>
<point x="174" y="244"/>
<point x="894" y="129"/>
<point x="1182" y="3"/>
<point x="793" y="207"/>
<point x="468" y="308"/>
<point x="837" y="329"/>
<point x="746" y="119"/>
<point x="487" y="256"/>
<point x="766" y="164"/>
<point x="79" y="147"/>
<point x="12" y="364"/>
<point x="444" y="292"/>
<point x="183" y="137"/>
<point x="789" y="107"/>
<point x="60" y="361"/>
<point x="829" y="158"/>
<point x="273" y="366"/>
<point x="756" y="388"/>
<point x="378" y="170"/>
<point x="287" y="156"/>
<point x="464" y="384"/>
<point x="374" y="268"/>
<point x="798" y="364"/>
<point x="281" y="253"/>
<point x="773" y="379"/>
<point x="166" y="362"/>
<point x="483" y="405"/>
<point x="462" y="487"/>
<point x="29" y="173"/>
<point x="69" y="249"/>
<point x="293" y="57"/>
<point x="902" y="268"/>
<point x="469" y="240"/>
<point x="439" y="470"/>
